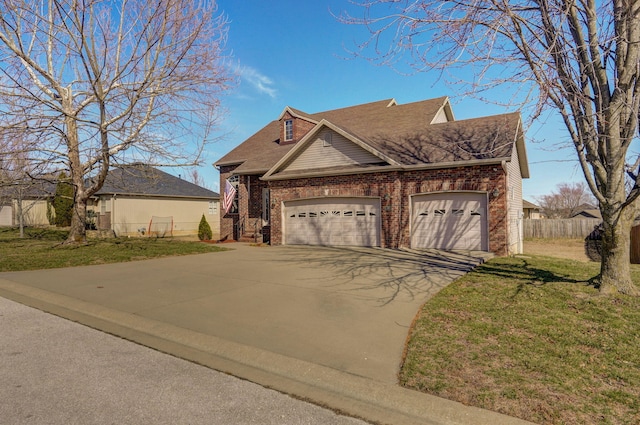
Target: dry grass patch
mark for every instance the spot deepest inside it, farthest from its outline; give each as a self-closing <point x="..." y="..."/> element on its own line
<point x="531" y="338"/>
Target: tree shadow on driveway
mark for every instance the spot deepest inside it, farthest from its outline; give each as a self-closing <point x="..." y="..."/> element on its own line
<point x="388" y="275"/>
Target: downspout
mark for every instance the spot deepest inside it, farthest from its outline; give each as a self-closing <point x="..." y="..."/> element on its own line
<point x="113" y="214"/>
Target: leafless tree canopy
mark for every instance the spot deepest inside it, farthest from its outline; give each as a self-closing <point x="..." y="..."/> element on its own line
<point x="96" y="82"/>
<point x="566" y="200"/>
<point x="580" y="58"/>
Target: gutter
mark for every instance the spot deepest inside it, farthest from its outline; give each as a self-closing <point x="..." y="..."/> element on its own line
<point x="453" y="164"/>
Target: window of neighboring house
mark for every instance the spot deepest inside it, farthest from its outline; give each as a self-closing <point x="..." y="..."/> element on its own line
<point x="213" y="207"/>
<point x="288" y="130"/>
<point x="103" y="206"/>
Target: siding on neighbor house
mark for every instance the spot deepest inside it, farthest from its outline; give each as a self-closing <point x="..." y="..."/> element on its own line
<point x="33" y="211"/>
<point x="341" y="151"/>
<point x="131" y="214"/>
<point x="514" y="203"/>
<point x="6" y="215"/>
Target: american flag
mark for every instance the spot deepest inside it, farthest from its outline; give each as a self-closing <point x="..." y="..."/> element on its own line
<point x="229" y="195"/>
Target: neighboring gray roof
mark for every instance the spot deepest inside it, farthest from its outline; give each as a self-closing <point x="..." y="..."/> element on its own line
<point x="588" y="213"/>
<point x="29" y="189"/>
<point x="529" y="205"/>
<point x="403" y="133"/>
<point x="141" y="179"/>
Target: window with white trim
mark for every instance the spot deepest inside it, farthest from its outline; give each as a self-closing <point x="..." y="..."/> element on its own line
<point x="288" y="130"/>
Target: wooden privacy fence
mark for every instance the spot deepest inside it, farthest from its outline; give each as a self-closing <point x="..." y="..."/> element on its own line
<point x="568" y="228"/>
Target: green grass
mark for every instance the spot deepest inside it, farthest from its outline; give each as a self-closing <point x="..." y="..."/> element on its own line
<point x="531" y="338"/>
<point x="42" y="249"/>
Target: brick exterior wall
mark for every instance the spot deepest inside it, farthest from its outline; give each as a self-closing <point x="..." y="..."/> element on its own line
<point x="227" y="221"/>
<point x="393" y="189"/>
<point x="249" y="204"/>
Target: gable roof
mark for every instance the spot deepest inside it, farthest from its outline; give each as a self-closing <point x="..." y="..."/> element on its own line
<point x="402" y="136"/>
<point x="140" y="179"/>
<point x="529" y="205"/>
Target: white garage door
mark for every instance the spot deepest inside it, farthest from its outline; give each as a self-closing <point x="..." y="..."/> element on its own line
<point x="450" y="221"/>
<point x="6" y="215"/>
<point x="332" y="222"/>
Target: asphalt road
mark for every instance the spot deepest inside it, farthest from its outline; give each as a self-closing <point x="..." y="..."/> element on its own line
<point x="53" y="371"/>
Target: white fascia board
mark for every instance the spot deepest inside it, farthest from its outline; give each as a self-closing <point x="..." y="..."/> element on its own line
<point x="522" y="151"/>
<point x="223" y="164"/>
<point x="456" y="164"/>
<point x="331" y="173"/>
<point x="293" y="114"/>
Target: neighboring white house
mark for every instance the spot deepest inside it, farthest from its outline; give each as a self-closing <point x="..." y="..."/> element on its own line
<point x="531" y="210"/>
<point x="31" y="198"/>
<point x="137" y="199"/>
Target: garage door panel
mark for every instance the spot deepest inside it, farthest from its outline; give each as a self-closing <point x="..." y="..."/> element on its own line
<point x="333" y="221"/>
<point x="449" y="221"/>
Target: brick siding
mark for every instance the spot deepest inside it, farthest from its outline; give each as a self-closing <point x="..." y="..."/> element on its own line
<point x="393" y="189"/>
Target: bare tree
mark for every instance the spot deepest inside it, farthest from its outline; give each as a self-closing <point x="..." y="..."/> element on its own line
<point x="579" y="58"/>
<point x="194" y="176"/>
<point x="99" y="83"/>
<point x="566" y="200"/>
<point x="20" y="180"/>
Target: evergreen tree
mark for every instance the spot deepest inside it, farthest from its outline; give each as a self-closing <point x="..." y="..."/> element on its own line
<point x="63" y="201"/>
<point x="204" y="230"/>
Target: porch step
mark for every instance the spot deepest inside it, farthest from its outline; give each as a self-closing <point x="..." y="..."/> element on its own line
<point x="250" y="237"/>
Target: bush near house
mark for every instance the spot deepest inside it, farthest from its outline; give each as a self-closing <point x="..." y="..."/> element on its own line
<point x="204" y="230"/>
<point x="63" y="201"/>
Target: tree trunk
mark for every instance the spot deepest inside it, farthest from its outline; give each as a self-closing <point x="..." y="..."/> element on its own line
<point x="615" y="272"/>
<point x="78" y="232"/>
<point x="20" y="216"/>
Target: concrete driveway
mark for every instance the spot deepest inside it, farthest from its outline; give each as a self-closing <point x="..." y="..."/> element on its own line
<point x="327" y="324"/>
<point x="345" y="308"/>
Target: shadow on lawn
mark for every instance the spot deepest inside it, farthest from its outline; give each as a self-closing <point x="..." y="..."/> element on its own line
<point x="529" y="274"/>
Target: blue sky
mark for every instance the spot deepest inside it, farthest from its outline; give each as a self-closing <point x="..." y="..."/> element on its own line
<point x="295" y="53"/>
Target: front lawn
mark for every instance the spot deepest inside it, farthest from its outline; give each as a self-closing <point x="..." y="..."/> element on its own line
<point x="42" y="249"/>
<point x="530" y="337"/>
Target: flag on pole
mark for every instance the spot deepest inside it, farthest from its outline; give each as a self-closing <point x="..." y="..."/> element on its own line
<point x="229" y="196"/>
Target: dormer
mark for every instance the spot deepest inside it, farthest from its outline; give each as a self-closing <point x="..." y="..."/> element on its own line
<point x="294" y="126"/>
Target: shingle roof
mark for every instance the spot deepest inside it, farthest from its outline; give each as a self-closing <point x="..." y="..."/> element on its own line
<point x="403" y="133"/>
<point x="29" y="189"/>
<point x="141" y="179"/>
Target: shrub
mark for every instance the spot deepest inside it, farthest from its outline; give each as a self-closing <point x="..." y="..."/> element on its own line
<point x="63" y="201"/>
<point x="204" y="230"/>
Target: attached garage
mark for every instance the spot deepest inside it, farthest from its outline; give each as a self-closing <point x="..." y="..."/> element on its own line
<point x="449" y="220"/>
<point x="332" y="221"/>
<point x="6" y="215"/>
